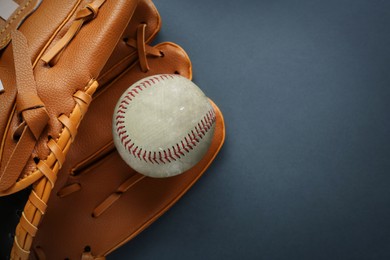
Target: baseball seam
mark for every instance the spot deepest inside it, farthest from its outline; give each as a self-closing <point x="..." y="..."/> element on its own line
<point x="178" y="150"/>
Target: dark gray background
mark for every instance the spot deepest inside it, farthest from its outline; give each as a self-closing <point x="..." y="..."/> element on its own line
<point x="305" y="171"/>
<point x="304" y="174"/>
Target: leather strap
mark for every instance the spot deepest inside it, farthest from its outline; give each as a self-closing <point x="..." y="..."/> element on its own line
<point x="84" y="15"/>
<point x="56" y="150"/>
<point x="69" y="189"/>
<point x="48" y="172"/>
<point x="28" y="226"/>
<point x="36" y="205"/>
<point x="141" y="47"/>
<point x="37" y="202"/>
<point x="32" y="109"/>
<point x="19" y="251"/>
<point x="102" y="207"/>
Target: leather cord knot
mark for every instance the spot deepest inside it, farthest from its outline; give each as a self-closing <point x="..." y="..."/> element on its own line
<point x="94" y="7"/>
<point x="36" y="119"/>
<point x="143" y="49"/>
<point x="28" y="103"/>
<point x="86" y="14"/>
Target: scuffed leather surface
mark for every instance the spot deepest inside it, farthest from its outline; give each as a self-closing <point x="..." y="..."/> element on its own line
<point x="82" y="60"/>
<point x="94" y="164"/>
<point x="43" y="23"/>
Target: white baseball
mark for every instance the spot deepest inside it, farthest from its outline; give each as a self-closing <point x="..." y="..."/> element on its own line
<point x="163" y="125"/>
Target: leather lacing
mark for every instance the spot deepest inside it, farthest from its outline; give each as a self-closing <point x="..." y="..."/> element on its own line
<point x="86" y="14"/>
<point x="34" y="117"/>
<point x="30" y="109"/>
<point x="143" y="51"/>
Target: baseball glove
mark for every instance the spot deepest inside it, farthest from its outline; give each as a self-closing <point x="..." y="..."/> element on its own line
<point x="98" y="202"/>
<point x="51" y="55"/>
<point x="106" y="202"/>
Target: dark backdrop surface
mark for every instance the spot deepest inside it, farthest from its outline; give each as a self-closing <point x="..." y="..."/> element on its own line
<point x="305" y="171"/>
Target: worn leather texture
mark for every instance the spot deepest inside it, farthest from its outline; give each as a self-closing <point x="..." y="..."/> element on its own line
<point x="44" y="101"/>
<point x="106" y="201"/>
<point x="93" y="50"/>
<point x="80" y="62"/>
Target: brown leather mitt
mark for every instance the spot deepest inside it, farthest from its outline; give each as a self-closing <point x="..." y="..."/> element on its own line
<point x="51" y="54"/>
<point x="100" y="201"/>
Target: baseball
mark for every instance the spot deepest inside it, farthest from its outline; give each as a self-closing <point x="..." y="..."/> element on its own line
<point x="163" y="125"/>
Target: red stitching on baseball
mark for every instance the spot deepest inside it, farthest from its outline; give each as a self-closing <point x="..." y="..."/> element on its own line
<point x="144" y="156"/>
<point x="128" y="141"/>
<point x="123" y="138"/>
<point x="122" y="133"/>
<point x="154" y="158"/>
<point x="179" y="149"/>
<point x="150" y="156"/>
<point x="124" y="100"/>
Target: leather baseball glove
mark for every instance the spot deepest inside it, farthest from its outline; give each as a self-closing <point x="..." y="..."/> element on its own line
<point x="52" y="52"/>
<point x="98" y="203"/>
